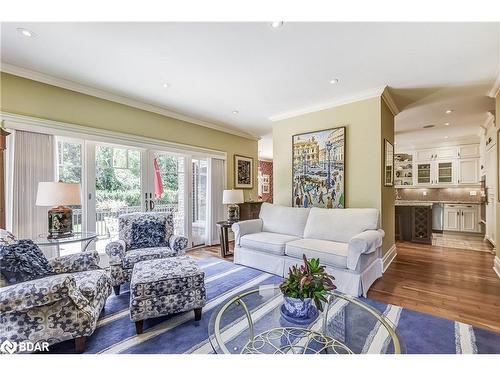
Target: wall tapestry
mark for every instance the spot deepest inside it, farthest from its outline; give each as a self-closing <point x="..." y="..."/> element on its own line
<point x="318" y="169"/>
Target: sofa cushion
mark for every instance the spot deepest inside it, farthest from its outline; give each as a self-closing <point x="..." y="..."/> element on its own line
<point x="328" y="252"/>
<point x="149" y="233"/>
<point x="23" y="261"/>
<point x="138" y="255"/>
<point x="284" y="220"/>
<point x="339" y="225"/>
<point x="268" y="242"/>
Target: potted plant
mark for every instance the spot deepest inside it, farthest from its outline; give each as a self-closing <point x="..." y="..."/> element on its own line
<point x="304" y="285"/>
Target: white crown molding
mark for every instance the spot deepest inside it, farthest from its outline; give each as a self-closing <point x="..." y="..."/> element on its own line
<point x="367" y="94"/>
<point x="88" y="90"/>
<point x="65" y="129"/>
<point x="387" y="97"/>
<point x="490" y="121"/>
<point x="495" y="89"/>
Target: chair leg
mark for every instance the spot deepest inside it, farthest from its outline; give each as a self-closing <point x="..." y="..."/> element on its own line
<point x="80" y="344"/>
<point x="139" y="326"/>
<point x="117" y="290"/>
<point x="197" y="314"/>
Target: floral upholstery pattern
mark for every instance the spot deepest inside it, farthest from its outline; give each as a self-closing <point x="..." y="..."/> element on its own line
<point x="139" y="227"/>
<point x="166" y="286"/>
<point x="59" y="307"/>
<point x="148" y="233"/>
<point x="76" y="262"/>
<point x="22" y="261"/>
<point x="6" y="238"/>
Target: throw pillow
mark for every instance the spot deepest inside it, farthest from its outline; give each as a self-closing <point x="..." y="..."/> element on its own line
<point x="148" y="233"/>
<point x="23" y="261"/>
<point x="6" y="238"/>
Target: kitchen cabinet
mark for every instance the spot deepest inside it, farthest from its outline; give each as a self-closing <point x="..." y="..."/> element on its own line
<point x="436" y="172"/>
<point x="491" y="168"/>
<point x="424" y="173"/>
<point x="462" y="218"/>
<point x="468" y="171"/>
<point x="468" y="151"/>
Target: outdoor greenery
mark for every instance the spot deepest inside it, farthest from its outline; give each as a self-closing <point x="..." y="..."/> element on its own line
<point x="118" y="174"/>
<point x="308" y="281"/>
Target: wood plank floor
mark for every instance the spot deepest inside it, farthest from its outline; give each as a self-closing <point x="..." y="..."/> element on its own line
<point x="451" y="283"/>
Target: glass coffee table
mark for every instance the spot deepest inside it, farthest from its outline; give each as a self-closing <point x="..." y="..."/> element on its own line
<point x="86" y="238"/>
<point x="251" y="323"/>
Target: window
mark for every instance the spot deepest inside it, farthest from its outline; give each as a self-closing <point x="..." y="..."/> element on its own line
<point x="69" y="157"/>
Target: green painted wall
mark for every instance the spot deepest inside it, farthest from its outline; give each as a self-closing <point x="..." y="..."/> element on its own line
<point x="497" y="124"/>
<point x="367" y="122"/>
<point x="26" y="97"/>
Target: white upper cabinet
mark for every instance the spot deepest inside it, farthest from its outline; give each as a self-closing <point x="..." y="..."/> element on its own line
<point x="468" y="151"/>
<point x="468" y="171"/>
<point x="424" y="155"/>
<point x="445" y="152"/>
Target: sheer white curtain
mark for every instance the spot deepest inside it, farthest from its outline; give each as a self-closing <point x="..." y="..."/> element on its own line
<point x="216" y="188"/>
<point x="34" y="162"/>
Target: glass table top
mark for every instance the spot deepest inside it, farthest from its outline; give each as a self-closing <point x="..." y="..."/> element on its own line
<point x="251" y="322"/>
<point x="42" y="239"/>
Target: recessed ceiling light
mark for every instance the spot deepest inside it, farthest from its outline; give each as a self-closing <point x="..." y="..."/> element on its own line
<point x="334" y="81"/>
<point x="448" y="111"/>
<point x="235" y="112"/>
<point x="25" y="32"/>
<point x="166" y="85"/>
<point x="276" y="24"/>
<point x="446" y="124"/>
<point x="445" y="137"/>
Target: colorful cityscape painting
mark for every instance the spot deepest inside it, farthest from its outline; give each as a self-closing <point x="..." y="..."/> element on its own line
<point x="318" y="168"/>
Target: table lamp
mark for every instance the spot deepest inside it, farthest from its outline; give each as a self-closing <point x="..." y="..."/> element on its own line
<point x="58" y="195"/>
<point x="232" y="198"/>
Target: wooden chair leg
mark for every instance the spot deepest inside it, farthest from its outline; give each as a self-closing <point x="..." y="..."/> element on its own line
<point x="80" y="344"/>
<point x="139" y="326"/>
<point x="116" y="288"/>
<point x="197" y="314"/>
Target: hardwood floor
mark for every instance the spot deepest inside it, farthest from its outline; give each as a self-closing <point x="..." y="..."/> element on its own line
<point x="451" y="283"/>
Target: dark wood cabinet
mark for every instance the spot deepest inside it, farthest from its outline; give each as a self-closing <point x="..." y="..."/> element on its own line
<point x="414" y="223"/>
<point x="249" y="210"/>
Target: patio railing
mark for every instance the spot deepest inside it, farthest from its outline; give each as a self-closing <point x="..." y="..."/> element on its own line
<point x="107" y="220"/>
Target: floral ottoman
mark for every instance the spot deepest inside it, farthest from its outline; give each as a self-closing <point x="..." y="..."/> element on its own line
<point x="166" y="286"/>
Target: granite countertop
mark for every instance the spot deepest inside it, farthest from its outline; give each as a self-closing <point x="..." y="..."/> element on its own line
<point x="427" y="203"/>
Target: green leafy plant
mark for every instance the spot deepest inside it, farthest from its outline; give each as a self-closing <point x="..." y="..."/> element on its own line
<point x="310" y="280"/>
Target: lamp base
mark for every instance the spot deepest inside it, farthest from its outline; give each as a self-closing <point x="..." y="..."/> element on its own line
<point x="60" y="222"/>
<point x="233" y="213"/>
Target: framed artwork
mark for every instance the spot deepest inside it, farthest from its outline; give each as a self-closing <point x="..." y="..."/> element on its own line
<point x="388" y="163"/>
<point x="243" y="172"/>
<point x="318" y="169"/>
<point x="265" y="188"/>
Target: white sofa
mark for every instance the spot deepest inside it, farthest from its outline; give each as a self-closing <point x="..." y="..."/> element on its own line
<point x="347" y="242"/>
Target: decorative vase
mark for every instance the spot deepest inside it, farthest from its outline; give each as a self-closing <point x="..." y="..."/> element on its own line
<point x="297" y="308"/>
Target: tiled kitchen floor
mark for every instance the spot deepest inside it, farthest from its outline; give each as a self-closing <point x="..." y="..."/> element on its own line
<point x="462" y="241"/>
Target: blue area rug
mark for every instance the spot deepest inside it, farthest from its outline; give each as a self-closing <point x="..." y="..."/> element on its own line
<point x="115" y="333"/>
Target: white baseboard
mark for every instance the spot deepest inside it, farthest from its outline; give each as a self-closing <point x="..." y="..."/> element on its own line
<point x="496" y="265"/>
<point x="389" y="257"/>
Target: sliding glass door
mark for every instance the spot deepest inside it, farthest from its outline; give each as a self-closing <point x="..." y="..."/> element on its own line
<point x="199" y="204"/>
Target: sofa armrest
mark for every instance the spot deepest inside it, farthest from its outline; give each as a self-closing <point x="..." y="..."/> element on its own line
<point x="86" y="261"/>
<point x="178" y="243"/>
<point x="116" y="252"/>
<point x="364" y="243"/>
<point x="245" y="227"/>
<point x="35" y="293"/>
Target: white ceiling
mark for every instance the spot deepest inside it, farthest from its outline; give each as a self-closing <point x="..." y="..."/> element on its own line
<point x="216" y="68"/>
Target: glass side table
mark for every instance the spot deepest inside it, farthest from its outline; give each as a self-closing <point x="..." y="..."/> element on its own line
<point x="86" y="238"/>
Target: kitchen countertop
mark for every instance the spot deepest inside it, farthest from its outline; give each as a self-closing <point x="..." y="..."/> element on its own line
<point x="399" y="202"/>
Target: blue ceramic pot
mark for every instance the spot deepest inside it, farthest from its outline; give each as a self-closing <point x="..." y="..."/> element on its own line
<point x="297" y="308"/>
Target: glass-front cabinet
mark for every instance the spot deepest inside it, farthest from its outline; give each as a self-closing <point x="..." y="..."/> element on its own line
<point x="444" y="172"/>
<point x="424" y="173"/>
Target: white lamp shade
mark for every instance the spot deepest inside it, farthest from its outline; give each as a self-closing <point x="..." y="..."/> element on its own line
<point x="232" y="196"/>
<point x="58" y="194"/>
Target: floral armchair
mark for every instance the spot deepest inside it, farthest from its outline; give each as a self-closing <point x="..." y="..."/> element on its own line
<point x="142" y="236"/>
<point x="56" y="308"/>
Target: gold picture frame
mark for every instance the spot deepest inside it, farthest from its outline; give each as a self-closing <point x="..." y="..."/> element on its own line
<point x="243" y="172"/>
